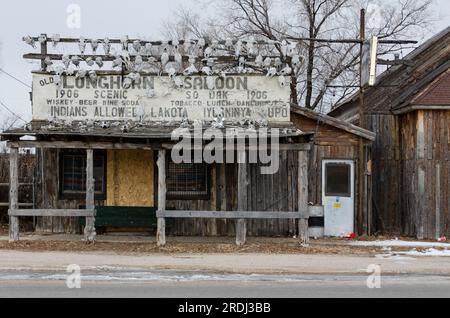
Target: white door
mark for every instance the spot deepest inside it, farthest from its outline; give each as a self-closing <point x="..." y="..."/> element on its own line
<point x="338" y="194"/>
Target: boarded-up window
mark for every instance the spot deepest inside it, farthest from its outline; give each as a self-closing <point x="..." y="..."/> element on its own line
<point x="188" y="181"/>
<point x="73" y="174"/>
<point x="338" y="180"/>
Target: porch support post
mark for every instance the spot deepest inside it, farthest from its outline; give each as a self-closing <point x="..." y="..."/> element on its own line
<point x="241" y="224"/>
<point x="89" y="229"/>
<point x="13" y="194"/>
<point x="161" y="232"/>
<point x="303" y="232"/>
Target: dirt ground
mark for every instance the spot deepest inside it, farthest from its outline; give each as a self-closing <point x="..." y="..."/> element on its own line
<point x="175" y="248"/>
<point x="330" y="246"/>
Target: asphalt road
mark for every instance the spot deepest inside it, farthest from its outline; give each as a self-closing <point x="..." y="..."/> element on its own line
<point x="193" y="285"/>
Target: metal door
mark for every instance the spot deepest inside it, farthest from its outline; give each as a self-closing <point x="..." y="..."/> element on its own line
<point x="338" y="195"/>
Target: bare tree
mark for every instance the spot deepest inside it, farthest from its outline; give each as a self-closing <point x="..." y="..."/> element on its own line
<point x="325" y="63"/>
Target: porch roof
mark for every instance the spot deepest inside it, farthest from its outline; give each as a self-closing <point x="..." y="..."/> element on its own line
<point x="126" y="131"/>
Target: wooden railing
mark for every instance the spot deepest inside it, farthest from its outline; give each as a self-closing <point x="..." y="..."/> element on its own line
<point x="14" y="214"/>
<point x="240" y="215"/>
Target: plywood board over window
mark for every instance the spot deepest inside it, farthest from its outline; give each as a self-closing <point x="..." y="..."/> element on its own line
<point x="130" y="178"/>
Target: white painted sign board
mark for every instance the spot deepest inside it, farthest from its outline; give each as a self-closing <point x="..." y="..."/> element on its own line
<point x="369" y="62"/>
<point x="156" y="99"/>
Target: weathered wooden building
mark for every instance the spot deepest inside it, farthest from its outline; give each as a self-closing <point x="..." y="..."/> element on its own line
<point x="409" y="110"/>
<point x="99" y="170"/>
<point x="127" y="181"/>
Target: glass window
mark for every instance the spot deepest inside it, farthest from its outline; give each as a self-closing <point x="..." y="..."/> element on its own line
<point x="73" y="173"/>
<point x="188" y="181"/>
<point x="337" y="180"/>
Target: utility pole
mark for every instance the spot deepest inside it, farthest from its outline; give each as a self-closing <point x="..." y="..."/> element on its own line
<point x="361" y="157"/>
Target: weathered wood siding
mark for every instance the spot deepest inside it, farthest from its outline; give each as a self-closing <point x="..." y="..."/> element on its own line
<point x="386" y="171"/>
<point x="26" y="169"/>
<point x="276" y="192"/>
<point x="48" y="195"/>
<point x="333" y="143"/>
<point x="411" y="173"/>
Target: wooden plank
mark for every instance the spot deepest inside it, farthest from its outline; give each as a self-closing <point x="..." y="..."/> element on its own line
<point x="52" y="213"/>
<point x="80" y="145"/>
<point x="162" y="190"/>
<point x="230" y="214"/>
<point x="420" y="199"/>
<point x="6" y="204"/>
<point x="420" y="136"/>
<point x="13" y="193"/>
<point x="241" y="224"/>
<point x="89" y="229"/>
<point x="303" y="197"/>
<point x="438" y="201"/>
<point x="128" y="146"/>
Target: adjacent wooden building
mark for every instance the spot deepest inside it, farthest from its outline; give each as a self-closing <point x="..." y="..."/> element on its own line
<point x="409" y="110"/>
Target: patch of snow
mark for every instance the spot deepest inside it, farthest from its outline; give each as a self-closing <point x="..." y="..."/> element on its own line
<point x="429" y="252"/>
<point x="395" y="257"/>
<point x="399" y="243"/>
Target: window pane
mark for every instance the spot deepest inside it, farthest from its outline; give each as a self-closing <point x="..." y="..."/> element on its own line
<point x="337" y="180"/>
<point x="187" y="180"/>
<point x="73" y="176"/>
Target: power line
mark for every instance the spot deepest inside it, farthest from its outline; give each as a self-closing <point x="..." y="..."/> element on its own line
<point x="13" y="113"/>
<point x="15" y="78"/>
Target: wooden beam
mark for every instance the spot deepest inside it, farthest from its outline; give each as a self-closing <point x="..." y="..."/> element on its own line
<point x="52" y="213"/>
<point x="282" y="147"/>
<point x="303" y="197"/>
<point x="344" y="125"/>
<point x="229" y="215"/>
<point x="109" y="58"/>
<point x="89" y="229"/>
<point x="162" y="190"/>
<point x="6" y="204"/>
<point x="79" y="145"/>
<point x="241" y="224"/>
<point x="43" y="53"/>
<point x="13" y="193"/>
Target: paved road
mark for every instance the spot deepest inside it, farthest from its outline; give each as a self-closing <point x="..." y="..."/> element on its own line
<point x="171" y="284"/>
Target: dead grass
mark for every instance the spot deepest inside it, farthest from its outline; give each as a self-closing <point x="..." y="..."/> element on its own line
<point x="190" y="248"/>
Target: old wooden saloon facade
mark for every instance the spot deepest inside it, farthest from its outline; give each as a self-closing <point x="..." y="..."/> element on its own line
<point x="409" y="110"/>
<point x="99" y="170"/>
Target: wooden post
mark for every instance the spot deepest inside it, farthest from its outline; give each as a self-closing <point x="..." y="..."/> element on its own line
<point x="89" y="229"/>
<point x="361" y="114"/>
<point x="241" y="224"/>
<point x="303" y="232"/>
<point x="162" y="189"/>
<point x="44" y="52"/>
<point x="13" y="194"/>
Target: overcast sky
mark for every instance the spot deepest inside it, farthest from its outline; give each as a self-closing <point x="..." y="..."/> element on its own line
<point x="99" y="18"/>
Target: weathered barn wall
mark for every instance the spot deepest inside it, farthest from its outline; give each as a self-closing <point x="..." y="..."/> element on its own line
<point x="427" y="172"/>
<point x="27" y="165"/>
<point x="386" y="173"/>
<point x="130" y="178"/>
<point x="276" y="192"/>
<point x="411" y="173"/>
<point x="48" y="165"/>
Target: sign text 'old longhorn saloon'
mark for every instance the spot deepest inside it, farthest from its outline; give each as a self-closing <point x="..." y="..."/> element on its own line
<point x="155" y="99"/>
